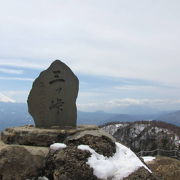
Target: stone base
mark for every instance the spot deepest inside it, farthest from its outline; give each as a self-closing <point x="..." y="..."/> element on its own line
<point x="20" y="162"/>
<point x="30" y="135"/>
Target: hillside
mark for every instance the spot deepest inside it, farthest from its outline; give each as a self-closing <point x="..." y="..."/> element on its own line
<point x="146" y="136"/>
<point x="173" y="118"/>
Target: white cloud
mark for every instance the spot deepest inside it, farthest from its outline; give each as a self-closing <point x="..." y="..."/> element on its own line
<point x="18" y="96"/>
<point x="19" y="62"/>
<point x="13" y="93"/>
<point x="16" y="79"/>
<point x="4" y="98"/>
<point x="11" y="71"/>
<point x="159" y="104"/>
<point x="117" y="38"/>
<point x="124" y="39"/>
<point x="90" y="94"/>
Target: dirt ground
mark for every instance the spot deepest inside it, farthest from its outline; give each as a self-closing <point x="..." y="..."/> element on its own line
<point x="165" y="168"/>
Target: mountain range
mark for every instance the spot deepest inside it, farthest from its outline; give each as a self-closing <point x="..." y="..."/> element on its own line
<point x="16" y="114"/>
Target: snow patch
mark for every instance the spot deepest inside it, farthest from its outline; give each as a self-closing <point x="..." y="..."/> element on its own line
<point x="137" y="129"/>
<point x="121" y="165"/>
<point x="39" y="178"/>
<point x="118" y="125"/>
<point x="148" y="158"/>
<point x="111" y="129"/>
<point x="43" y="178"/>
<point x="57" y="146"/>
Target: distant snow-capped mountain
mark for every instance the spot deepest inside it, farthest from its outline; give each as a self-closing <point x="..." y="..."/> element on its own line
<point x="4" y="98"/>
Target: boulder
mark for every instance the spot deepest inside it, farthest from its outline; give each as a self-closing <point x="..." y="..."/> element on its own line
<point x="52" y="99"/>
<point x="100" y="141"/>
<point x="21" y="162"/>
<point x="69" y="163"/>
<point x="141" y="174"/>
<point x="29" y="135"/>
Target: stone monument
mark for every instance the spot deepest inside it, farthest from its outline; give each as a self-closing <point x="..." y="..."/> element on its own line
<point x="52" y="99"/>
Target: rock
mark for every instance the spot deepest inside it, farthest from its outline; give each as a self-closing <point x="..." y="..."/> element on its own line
<point x="1" y="143"/>
<point x="52" y="99"/>
<point x="21" y="162"/>
<point x="29" y="135"/>
<point x="141" y="174"/>
<point x="100" y="141"/>
<point x="165" y="167"/>
<point x="69" y="164"/>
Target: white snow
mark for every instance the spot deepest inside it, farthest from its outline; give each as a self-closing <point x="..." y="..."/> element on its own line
<point x="140" y="127"/>
<point x="111" y="129"/>
<point x="40" y="178"/>
<point x="137" y="129"/>
<point x="118" y="125"/>
<point x="121" y="165"/>
<point x="57" y="146"/>
<point x="148" y="158"/>
<point x="43" y="178"/>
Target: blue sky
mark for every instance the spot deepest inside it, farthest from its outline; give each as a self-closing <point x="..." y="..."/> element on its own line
<point x="125" y="53"/>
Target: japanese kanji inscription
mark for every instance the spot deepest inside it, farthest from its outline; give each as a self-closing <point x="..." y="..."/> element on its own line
<point x="52" y="99"/>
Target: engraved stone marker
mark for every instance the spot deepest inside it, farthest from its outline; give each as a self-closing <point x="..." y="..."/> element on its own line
<point x="52" y="99"/>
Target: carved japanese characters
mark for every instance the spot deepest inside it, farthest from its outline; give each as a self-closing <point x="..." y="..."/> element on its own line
<point x="52" y="99"/>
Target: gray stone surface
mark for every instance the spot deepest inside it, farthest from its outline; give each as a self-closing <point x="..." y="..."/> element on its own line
<point x="21" y="162"/>
<point x="52" y="99"/>
<point x="29" y="135"/>
<point x="93" y="132"/>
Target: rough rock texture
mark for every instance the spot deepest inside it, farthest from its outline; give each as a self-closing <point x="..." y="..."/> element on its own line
<point x="31" y="162"/>
<point x="165" y="168"/>
<point x="69" y="164"/>
<point x="141" y="174"/>
<point x="29" y="135"/>
<point x="52" y="99"/>
<point x="21" y="162"/>
<point x="100" y="141"/>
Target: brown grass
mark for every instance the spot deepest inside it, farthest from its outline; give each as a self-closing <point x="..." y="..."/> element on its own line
<point x="166" y="168"/>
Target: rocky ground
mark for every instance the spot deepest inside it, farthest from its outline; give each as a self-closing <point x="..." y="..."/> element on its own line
<point x="165" y="168"/>
<point x="21" y="162"/>
<point x="27" y="162"/>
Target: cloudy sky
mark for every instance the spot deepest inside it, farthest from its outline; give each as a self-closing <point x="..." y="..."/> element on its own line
<point x="125" y="53"/>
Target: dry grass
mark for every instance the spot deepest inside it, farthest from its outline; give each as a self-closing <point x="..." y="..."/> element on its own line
<point x="166" y="168"/>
